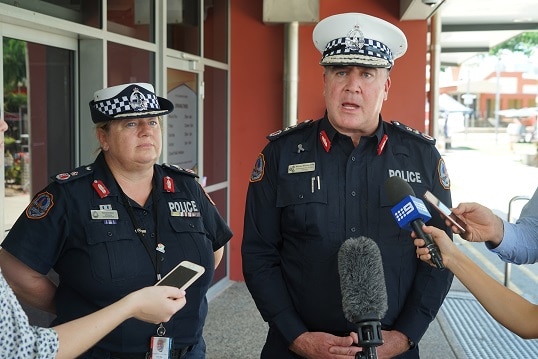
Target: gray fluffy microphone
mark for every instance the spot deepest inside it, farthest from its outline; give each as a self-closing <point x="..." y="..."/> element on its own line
<point x="362" y="279"/>
<point x="364" y="294"/>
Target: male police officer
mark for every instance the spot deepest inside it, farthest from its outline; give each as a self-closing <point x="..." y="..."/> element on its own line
<point x="318" y="183"/>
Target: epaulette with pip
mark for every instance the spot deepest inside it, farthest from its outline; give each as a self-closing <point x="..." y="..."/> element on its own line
<point x="75" y="174"/>
<point x="416" y="133"/>
<point x="176" y="168"/>
<point x="277" y="134"/>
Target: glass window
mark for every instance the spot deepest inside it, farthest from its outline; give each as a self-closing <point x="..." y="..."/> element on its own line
<point x="86" y="12"/>
<point x="127" y="64"/>
<point x="40" y="140"/>
<point x="215" y="125"/>
<point x="183" y="27"/>
<point x="216" y="30"/>
<point x="132" y="18"/>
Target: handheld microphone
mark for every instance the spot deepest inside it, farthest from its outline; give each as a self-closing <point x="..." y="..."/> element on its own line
<point x="364" y="294"/>
<point x="411" y="213"/>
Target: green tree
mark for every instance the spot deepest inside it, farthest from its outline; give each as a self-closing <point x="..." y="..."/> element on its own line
<point x="14" y="73"/>
<point x="526" y="43"/>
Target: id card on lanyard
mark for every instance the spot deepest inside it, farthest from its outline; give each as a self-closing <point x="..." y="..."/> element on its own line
<point x="161" y="347"/>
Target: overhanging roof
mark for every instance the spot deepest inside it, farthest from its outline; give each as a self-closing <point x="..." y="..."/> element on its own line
<point x="469" y="27"/>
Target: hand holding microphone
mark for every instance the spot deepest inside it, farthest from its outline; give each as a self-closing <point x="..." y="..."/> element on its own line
<point x="410" y="213"/>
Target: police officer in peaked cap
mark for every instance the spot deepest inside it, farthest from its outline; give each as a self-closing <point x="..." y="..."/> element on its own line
<point x="117" y="225"/>
<point x="318" y="183"/>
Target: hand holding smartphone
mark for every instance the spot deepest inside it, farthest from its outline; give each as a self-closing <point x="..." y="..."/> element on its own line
<point x="183" y="275"/>
<point x="445" y="211"/>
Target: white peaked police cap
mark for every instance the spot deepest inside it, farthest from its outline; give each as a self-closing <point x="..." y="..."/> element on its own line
<point x="355" y="39"/>
<point x="127" y="101"/>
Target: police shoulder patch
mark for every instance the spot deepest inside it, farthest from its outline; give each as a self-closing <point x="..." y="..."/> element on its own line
<point x="277" y="134"/>
<point x="178" y="169"/>
<point x="73" y="175"/>
<point x="415" y="133"/>
<point x="259" y="169"/>
<point x="40" y="206"/>
<point x="444" y="180"/>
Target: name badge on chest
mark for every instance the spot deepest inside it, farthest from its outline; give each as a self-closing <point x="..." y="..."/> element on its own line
<point x="302" y="167"/>
<point x="104" y="212"/>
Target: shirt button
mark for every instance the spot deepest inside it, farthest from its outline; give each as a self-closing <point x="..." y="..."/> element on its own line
<point x="353" y="158"/>
<point x="353" y="193"/>
<point x="109" y="234"/>
<point x="152" y="235"/>
<point x="145" y="213"/>
<point x="301" y="196"/>
<point x="353" y="229"/>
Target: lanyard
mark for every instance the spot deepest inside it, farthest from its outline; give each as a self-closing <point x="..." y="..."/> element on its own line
<point x="158" y="257"/>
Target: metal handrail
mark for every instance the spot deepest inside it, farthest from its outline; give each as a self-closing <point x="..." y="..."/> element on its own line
<point x="508" y="266"/>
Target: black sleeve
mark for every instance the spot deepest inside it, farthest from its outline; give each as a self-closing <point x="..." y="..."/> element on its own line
<point x="260" y="249"/>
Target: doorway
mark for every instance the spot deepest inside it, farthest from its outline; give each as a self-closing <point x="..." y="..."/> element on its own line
<point x="39" y="109"/>
<point x="196" y="135"/>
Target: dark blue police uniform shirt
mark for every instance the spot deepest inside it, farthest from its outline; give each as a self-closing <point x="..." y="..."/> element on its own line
<point x="310" y="190"/>
<point x="99" y="261"/>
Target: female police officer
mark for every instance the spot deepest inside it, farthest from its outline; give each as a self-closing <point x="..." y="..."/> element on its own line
<point x="118" y="225"/>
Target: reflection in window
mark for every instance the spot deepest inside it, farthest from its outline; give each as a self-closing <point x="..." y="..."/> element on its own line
<point x="40" y="140"/>
<point x="127" y="64"/>
<point x="216" y="133"/>
<point x="216" y="30"/>
<point x="85" y="12"/>
<point x="16" y="169"/>
<point x="133" y="18"/>
<point x="183" y="30"/>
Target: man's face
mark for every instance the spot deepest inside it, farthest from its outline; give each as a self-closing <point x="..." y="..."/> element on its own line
<point x="354" y="96"/>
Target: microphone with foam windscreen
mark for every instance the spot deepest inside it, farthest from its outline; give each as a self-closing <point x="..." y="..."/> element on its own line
<point x="364" y="294"/>
<point x="411" y="213"/>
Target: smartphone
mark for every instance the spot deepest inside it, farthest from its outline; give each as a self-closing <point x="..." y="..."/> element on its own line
<point x="445" y="211"/>
<point x="183" y="275"/>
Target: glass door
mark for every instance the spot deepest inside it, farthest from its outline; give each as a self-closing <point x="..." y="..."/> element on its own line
<point x="196" y="132"/>
<point x="39" y="109"/>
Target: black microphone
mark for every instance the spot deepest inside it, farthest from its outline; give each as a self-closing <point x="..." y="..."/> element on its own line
<point x="411" y="213"/>
<point x="364" y="294"/>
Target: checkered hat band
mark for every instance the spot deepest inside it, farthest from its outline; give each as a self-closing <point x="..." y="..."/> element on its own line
<point x="371" y="48"/>
<point x="118" y="105"/>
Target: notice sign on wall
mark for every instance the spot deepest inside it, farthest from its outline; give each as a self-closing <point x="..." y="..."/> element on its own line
<point x="182" y="127"/>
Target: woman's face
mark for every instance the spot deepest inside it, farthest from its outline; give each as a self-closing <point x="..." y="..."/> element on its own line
<point x="132" y="143"/>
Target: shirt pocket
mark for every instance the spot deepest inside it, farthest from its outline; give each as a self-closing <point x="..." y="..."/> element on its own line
<point x="112" y="251"/>
<point x="189" y="238"/>
<point x="304" y="206"/>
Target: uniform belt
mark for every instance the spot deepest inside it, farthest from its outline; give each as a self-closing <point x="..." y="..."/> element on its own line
<point x="174" y="354"/>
